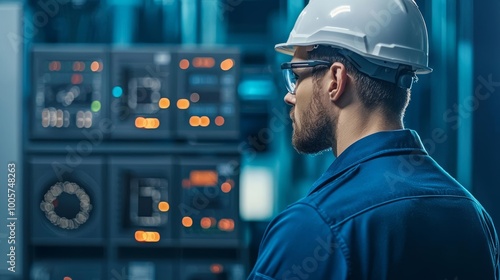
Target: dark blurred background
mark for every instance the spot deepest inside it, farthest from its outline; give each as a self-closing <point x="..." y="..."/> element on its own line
<point x="149" y="138"/>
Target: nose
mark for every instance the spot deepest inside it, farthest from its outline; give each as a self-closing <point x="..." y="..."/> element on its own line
<point x="290" y="99"/>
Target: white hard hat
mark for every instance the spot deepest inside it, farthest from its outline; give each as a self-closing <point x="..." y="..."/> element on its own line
<point x="386" y="33"/>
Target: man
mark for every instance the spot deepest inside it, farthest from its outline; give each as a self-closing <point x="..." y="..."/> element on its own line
<point x="384" y="209"/>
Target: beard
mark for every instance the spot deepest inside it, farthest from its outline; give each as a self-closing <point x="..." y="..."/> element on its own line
<point x="315" y="133"/>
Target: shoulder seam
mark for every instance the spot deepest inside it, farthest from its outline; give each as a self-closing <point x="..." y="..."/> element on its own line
<point x="372" y="207"/>
<point x="342" y="244"/>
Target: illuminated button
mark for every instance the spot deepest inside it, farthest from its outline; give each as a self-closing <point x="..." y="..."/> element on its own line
<point x="194" y="97"/>
<point x="67" y="278"/>
<point x="139" y="236"/>
<point x="45" y="117"/>
<point x="216" y="268"/>
<point x="184" y="64"/>
<point x="59" y="118"/>
<point x="95" y="106"/>
<point x="117" y="92"/>
<point x="194" y="121"/>
<point x="182" y="104"/>
<point x="76" y="79"/>
<point x="78" y="66"/>
<point x="88" y="119"/>
<point x="147" y="236"/>
<point x="204" y="121"/>
<point x="96" y="66"/>
<point x="203" y="62"/>
<point x="227" y="64"/>
<point x="226" y="225"/>
<point x="66" y="117"/>
<point x="219" y="121"/>
<point x="164" y="103"/>
<point x="152" y="123"/>
<point x="187" y="221"/>
<point x="163" y="206"/>
<point x="206" y="223"/>
<point x="55" y="66"/>
<point x="140" y="122"/>
<point x="226" y="187"/>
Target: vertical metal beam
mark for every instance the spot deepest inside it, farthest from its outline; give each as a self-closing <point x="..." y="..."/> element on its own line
<point x="11" y="50"/>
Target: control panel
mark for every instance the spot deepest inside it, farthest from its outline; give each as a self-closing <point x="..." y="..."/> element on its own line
<point x="133" y="164"/>
<point x="68" y="91"/>
<point x="207" y="95"/>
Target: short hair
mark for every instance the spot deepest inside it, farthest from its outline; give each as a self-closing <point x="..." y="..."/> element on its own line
<point x="374" y="93"/>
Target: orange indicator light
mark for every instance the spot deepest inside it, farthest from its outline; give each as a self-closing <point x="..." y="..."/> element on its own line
<point x="204" y="121"/>
<point x="147" y="236"/>
<point x="67" y="278"/>
<point x="78" y="66"/>
<point x="226" y="225"/>
<point x="184" y="64"/>
<point x="140" y="122"/>
<point x="219" y="121"/>
<point x="226" y="187"/>
<point x="195" y="121"/>
<point x="163" y="206"/>
<point x="187" y="221"/>
<point x="76" y="79"/>
<point x="182" y="104"/>
<point x="55" y="66"/>
<point x="147" y="123"/>
<point x="96" y="66"/>
<point x="216" y="268"/>
<point x="206" y="223"/>
<point x="203" y="62"/>
<point x="202" y="178"/>
<point x="152" y="123"/>
<point x="227" y="64"/>
<point x="164" y="103"/>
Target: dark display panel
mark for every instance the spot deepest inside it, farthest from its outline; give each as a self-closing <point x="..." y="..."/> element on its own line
<point x="141" y="200"/>
<point x="69" y="91"/>
<point x="209" y="200"/>
<point x="142" y="90"/>
<point x="66" y="201"/>
<point x="207" y="96"/>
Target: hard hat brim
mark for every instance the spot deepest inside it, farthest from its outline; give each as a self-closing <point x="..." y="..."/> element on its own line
<point x="288" y="49"/>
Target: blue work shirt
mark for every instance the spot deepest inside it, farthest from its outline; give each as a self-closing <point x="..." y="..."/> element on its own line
<point x="384" y="209"/>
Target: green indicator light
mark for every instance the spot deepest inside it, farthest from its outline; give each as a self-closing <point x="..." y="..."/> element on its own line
<point x="95" y="106"/>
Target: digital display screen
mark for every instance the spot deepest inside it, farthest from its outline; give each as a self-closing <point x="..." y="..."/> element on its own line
<point x="203" y="80"/>
<point x="203" y="178"/>
<point x="146" y="95"/>
<point x="67" y="95"/>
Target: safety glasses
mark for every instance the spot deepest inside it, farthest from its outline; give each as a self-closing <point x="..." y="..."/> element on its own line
<point x="291" y="77"/>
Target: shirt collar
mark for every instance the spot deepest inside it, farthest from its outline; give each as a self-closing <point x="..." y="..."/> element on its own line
<point x="374" y="145"/>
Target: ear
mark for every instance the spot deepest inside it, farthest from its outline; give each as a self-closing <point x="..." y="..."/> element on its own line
<point x="338" y="81"/>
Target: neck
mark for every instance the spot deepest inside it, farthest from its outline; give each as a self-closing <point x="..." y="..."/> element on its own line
<point x="358" y="123"/>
